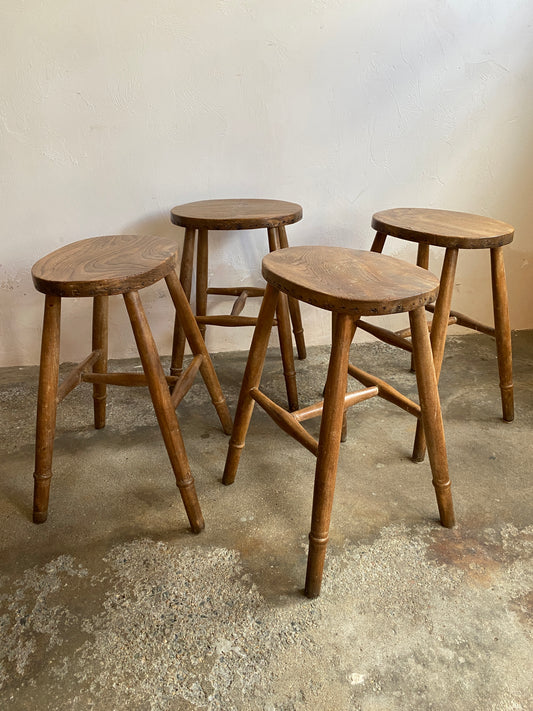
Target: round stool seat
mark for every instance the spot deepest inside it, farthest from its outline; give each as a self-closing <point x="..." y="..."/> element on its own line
<point x="235" y="214"/>
<point x="443" y="228"/>
<point x="107" y="265"/>
<point x="349" y="280"/>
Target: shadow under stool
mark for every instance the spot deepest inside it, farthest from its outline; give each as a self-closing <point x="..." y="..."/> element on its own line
<point x="349" y="283"/>
<point x="452" y="231"/>
<point x="98" y="268"/>
<point x="237" y="214"/>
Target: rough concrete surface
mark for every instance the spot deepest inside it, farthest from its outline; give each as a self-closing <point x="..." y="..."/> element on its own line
<point x="114" y="604"/>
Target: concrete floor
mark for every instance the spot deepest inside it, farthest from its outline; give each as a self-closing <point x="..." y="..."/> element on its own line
<point x="114" y="604"/>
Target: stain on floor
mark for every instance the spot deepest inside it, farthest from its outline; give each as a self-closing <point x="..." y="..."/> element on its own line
<point x="159" y="626"/>
<point x="113" y="604"/>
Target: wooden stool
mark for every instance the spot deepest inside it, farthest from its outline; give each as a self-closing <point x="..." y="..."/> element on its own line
<point x="350" y="284"/>
<point x="247" y="214"/>
<point x="101" y="267"/>
<point x="452" y="231"/>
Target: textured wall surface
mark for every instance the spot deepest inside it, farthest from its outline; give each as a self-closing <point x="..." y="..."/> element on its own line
<point x="111" y="113"/>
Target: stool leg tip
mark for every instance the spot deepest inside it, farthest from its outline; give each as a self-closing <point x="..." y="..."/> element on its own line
<point x="198" y="526"/>
<point x="446" y="512"/>
<point x="232" y="463"/>
<point x="40" y="516"/>
<point x="227" y="425"/>
<point x="311" y="593"/>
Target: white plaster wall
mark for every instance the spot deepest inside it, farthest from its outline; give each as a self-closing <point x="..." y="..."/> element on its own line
<point x="112" y="112"/>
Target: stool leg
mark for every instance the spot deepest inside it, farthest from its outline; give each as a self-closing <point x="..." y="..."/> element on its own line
<point x="422" y="260"/>
<point x="328" y="451"/>
<point x="344" y="434"/>
<point x="186" y="269"/>
<point x="164" y="411"/>
<point x="197" y="344"/>
<point x="426" y="379"/>
<point x="100" y="342"/>
<point x="379" y="242"/>
<point x="201" y="277"/>
<point x="284" y="332"/>
<point x="46" y="407"/>
<point x="439" y="329"/>
<point x="422" y="255"/>
<point x="287" y="357"/>
<point x="251" y="379"/>
<point x="502" y="328"/>
<point x="294" y="306"/>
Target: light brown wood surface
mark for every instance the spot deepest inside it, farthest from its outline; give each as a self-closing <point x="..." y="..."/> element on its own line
<point x="443" y="228"/>
<point x="164" y="410"/>
<point x="453" y="231"/>
<point x="236" y="214"/>
<point x="349" y="280"/>
<point x="111" y="264"/>
<point x="98" y="267"/>
<point x="348" y="283"/>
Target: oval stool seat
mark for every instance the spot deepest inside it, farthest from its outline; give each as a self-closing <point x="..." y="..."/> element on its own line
<point x="349" y="280"/>
<point x="112" y="264"/>
<point x="349" y="283"/>
<point x="453" y="231"/>
<point x="236" y="214"/>
<point x="198" y="218"/>
<point x="101" y="267"/>
<point x="443" y="228"/>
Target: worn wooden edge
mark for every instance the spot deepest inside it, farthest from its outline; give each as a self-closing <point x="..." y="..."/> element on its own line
<point x="293" y="214"/>
<point x="101" y="286"/>
<point x="387" y="222"/>
<point x="335" y="303"/>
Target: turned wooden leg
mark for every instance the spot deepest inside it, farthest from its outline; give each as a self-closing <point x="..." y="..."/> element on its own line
<point x="287" y="357"/>
<point x="328" y="451"/>
<point x="294" y="306"/>
<point x="502" y="329"/>
<point x="186" y="269"/>
<point x="431" y="416"/>
<point x="344" y="434"/>
<point x="439" y="329"/>
<point x="100" y="340"/>
<point x="198" y="347"/>
<point x="284" y="333"/>
<point x="46" y="407"/>
<point x="297" y="327"/>
<point x="422" y="260"/>
<point x="251" y="379"/>
<point x="164" y="411"/>
<point x="201" y="277"/>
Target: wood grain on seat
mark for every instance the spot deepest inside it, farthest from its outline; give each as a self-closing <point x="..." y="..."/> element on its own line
<point x="236" y="214"/>
<point x="112" y="264"/>
<point x="349" y="283"/>
<point x="453" y="231"/>
<point x="349" y="280"/>
<point x="100" y="267"/>
<point x="443" y="228"/>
